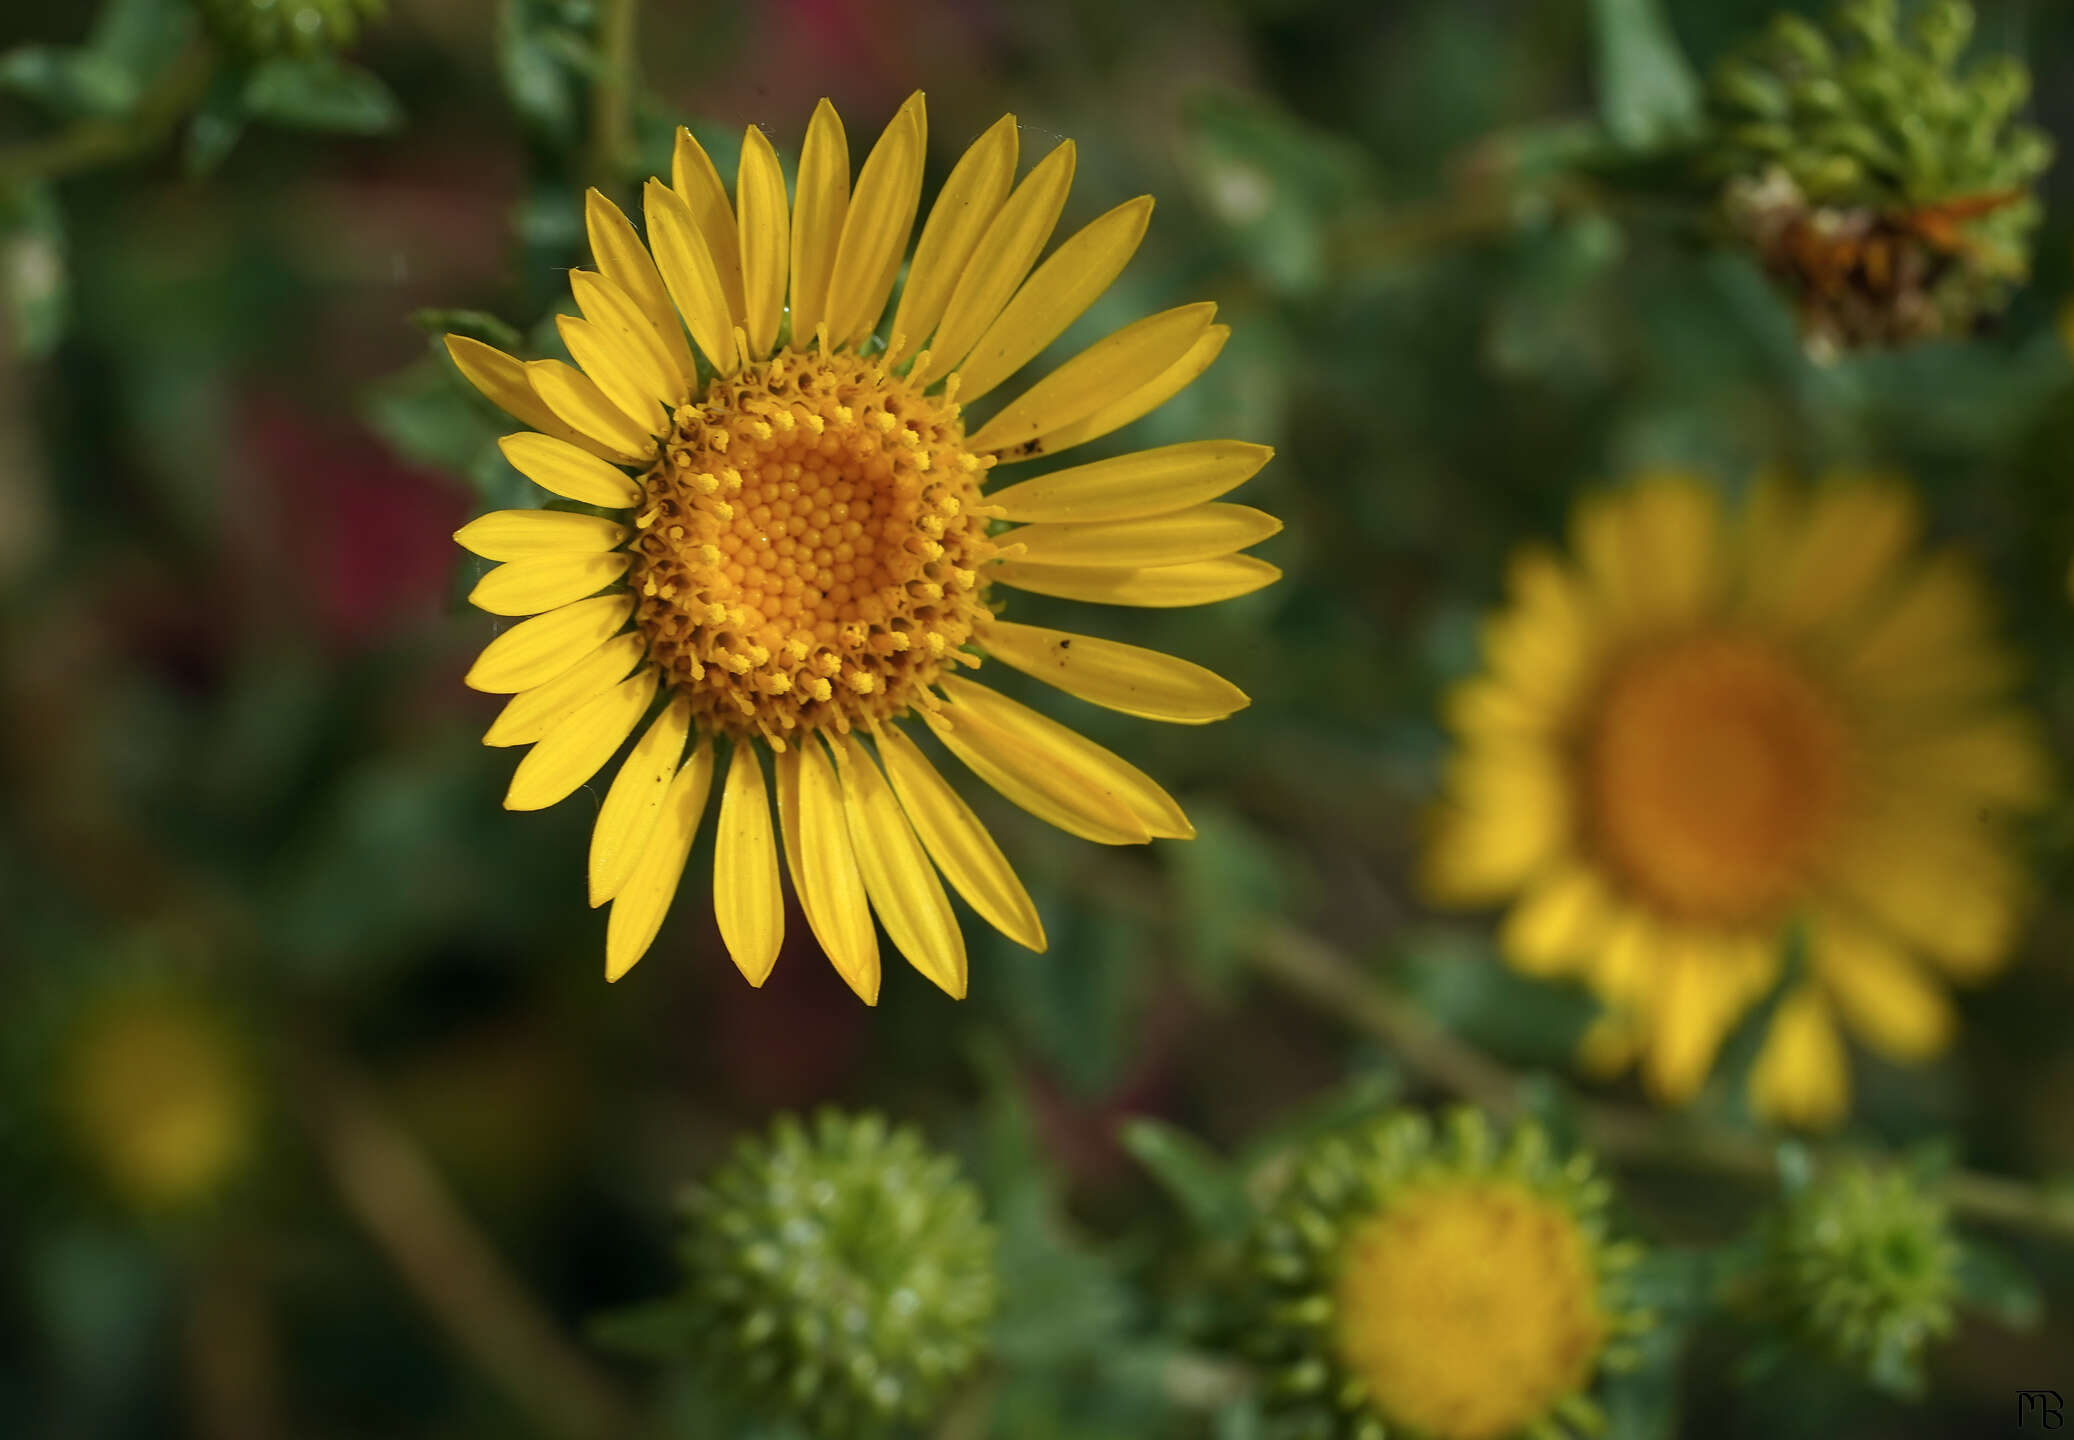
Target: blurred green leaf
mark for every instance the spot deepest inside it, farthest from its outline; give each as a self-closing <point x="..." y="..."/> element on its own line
<point x="532" y="36"/>
<point x="217" y="125"/>
<point x="477" y="324"/>
<point x="1077" y="1003"/>
<point x="141" y="35"/>
<point x="1202" y="1182"/>
<point x="67" y="81"/>
<point x="1990" y="1280"/>
<point x="1229" y="880"/>
<point x="1648" y="95"/>
<point x="35" y="274"/>
<point x="321" y="93"/>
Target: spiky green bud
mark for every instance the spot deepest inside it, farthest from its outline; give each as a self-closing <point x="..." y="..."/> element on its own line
<point x="839" y="1274"/>
<point x="1862" y="1266"/>
<point x="289" y="27"/>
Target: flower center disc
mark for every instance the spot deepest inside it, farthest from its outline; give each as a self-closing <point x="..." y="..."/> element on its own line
<point x="1468" y="1311"/>
<point x="808" y="553"/>
<point x="1714" y="768"/>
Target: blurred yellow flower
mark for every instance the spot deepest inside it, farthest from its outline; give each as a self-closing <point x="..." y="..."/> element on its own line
<point x="801" y="556"/>
<point x="1707" y="729"/>
<point x="158" y="1098"/>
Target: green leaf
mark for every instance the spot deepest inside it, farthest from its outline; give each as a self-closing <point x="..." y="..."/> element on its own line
<point x="141" y="36"/>
<point x="1648" y="95"/>
<point x="321" y="93"/>
<point x="69" y="82"/>
<point x="217" y="126"/>
<point x="478" y="324"/>
<point x="1990" y="1280"/>
<point x="1229" y="879"/>
<point x="539" y="84"/>
<point x="35" y="277"/>
<point x="1200" y="1180"/>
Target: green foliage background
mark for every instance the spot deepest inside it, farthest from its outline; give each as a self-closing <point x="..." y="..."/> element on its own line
<point x="236" y="750"/>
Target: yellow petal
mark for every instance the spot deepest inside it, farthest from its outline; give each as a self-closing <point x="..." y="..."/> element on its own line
<point x="1141" y="401"/>
<point x="1116" y="364"/>
<point x="959" y="843"/>
<point x="1055" y="798"/>
<point x="1155" y="587"/>
<point x="821" y="198"/>
<point x="1129" y="678"/>
<point x="1846" y="549"/>
<point x="897" y="874"/>
<point x="1201" y="532"/>
<point x="1801" y="1075"/>
<point x="688" y="270"/>
<point x="635" y="801"/>
<point x="1995" y="761"/>
<point x="534" y="651"/>
<point x="693" y="176"/>
<point x="1695" y="1005"/>
<point x="1674" y="532"/>
<point x="766" y="231"/>
<point x="1553" y="929"/>
<point x="546" y="582"/>
<point x="1939" y="879"/>
<point x="502" y="380"/>
<point x="967" y="204"/>
<point x="1928" y="644"/>
<point x="639" y="907"/>
<point x="1508" y="813"/>
<point x="632" y="337"/>
<point x="578" y="399"/>
<point x="514" y="534"/>
<point x="1879" y="989"/>
<point x="1063" y="287"/>
<point x="621" y="255"/>
<point x="612" y="369"/>
<point x="1045" y="744"/>
<point x="530" y="714"/>
<point x="570" y="473"/>
<point x="1132" y="487"/>
<point x="580" y="744"/>
<point x="747" y="899"/>
<point x="999" y="262"/>
<point x="824" y="869"/>
<point x="875" y="230"/>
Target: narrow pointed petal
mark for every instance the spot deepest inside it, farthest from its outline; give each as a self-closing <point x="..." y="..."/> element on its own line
<point x="825" y="870"/>
<point x="967" y="204"/>
<point x="1158" y="587"/>
<point x="748" y="900"/>
<point x="568" y="755"/>
<point x="688" y="270"/>
<point x="515" y="534"/>
<point x="766" y="234"/>
<point x="639" y="908"/>
<point x="530" y="714"/>
<point x="621" y="255"/>
<point x="881" y="217"/>
<point x="613" y="370"/>
<point x="1052" y="794"/>
<point x="632" y="337"/>
<point x="502" y="380"/>
<point x="1046" y="744"/>
<point x="539" y="583"/>
<point x="821" y="198"/>
<point x="959" y="843"/>
<point x="534" y="651"/>
<point x="1137" y="403"/>
<point x="1118" y="364"/>
<point x="1136" y="681"/>
<point x="577" y="398"/>
<point x="1201" y="532"/>
<point x="693" y="176"/>
<point x="999" y="262"/>
<point x="897" y="874"/>
<point x="1072" y="279"/>
<point x="1132" y="487"/>
<point x="569" y="472"/>
<point x="635" y="802"/>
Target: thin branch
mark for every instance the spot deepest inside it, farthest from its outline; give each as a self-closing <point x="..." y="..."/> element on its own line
<point x="391" y="1189"/>
<point x="87" y="144"/>
<point x="612" y="94"/>
<point x="1312" y="970"/>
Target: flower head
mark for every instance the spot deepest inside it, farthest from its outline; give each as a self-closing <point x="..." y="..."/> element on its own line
<point x="785" y="543"/>
<point x="1891" y="190"/>
<point x="840" y="1274"/>
<point x="1708" y="729"/>
<point x="1457" y="1287"/>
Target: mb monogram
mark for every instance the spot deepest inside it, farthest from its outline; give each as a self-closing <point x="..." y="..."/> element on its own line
<point x="2039" y="1409"/>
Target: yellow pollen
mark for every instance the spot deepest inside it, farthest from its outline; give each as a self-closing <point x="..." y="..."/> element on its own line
<point x="1467" y="1310"/>
<point x="1714" y="767"/>
<point x="833" y="554"/>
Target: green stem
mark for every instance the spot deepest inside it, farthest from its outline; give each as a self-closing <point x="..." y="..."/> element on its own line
<point x="612" y="94"/>
<point x="1312" y="970"/>
<point x="89" y="144"/>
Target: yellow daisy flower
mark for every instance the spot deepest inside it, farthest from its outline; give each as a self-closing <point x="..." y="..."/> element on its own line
<point x="802" y="557"/>
<point x="1709" y="728"/>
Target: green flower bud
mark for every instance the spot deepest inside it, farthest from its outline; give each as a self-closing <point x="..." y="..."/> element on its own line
<point x="1396" y="1261"/>
<point x="839" y="1274"/>
<point x="1862" y="1266"/>
<point x="289" y="27"/>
